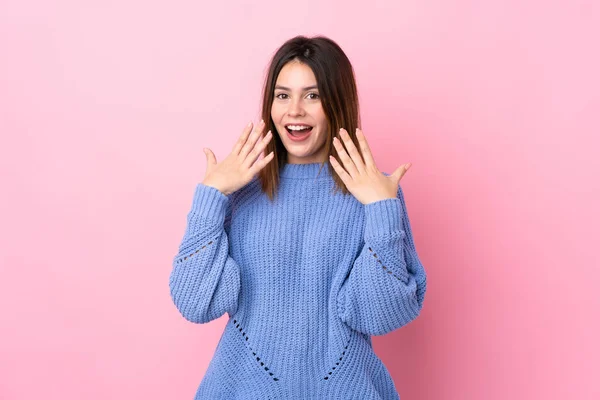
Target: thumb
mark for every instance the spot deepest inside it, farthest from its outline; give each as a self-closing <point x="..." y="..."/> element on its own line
<point x="400" y="171"/>
<point x="210" y="157"/>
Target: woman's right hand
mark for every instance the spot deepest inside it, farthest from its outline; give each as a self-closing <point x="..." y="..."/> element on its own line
<point x="237" y="169"/>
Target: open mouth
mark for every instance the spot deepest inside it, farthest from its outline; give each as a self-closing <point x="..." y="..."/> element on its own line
<point x="298" y="130"/>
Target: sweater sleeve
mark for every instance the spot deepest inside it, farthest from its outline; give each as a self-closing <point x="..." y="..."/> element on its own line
<point x="205" y="281"/>
<point x="386" y="285"/>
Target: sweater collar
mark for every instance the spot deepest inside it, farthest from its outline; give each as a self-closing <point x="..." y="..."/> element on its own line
<point x="305" y="171"/>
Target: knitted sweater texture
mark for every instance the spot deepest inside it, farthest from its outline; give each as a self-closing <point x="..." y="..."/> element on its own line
<point x="306" y="281"/>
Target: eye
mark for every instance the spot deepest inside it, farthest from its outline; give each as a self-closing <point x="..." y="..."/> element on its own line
<point x="315" y="94"/>
<point x="280" y="94"/>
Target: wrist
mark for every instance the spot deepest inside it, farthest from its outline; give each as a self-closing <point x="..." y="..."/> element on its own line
<point x="216" y="186"/>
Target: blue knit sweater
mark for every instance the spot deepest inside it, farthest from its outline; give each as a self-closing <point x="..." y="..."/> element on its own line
<point x="305" y="280"/>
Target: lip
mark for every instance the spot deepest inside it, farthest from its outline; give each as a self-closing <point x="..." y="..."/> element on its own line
<point x="299" y="138"/>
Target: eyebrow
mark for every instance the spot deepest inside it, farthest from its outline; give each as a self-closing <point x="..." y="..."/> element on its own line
<point x="288" y="89"/>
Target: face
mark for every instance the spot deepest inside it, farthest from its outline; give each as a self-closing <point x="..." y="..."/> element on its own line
<point x="298" y="115"/>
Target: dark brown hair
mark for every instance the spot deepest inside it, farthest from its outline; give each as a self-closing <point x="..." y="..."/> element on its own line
<point x="339" y="99"/>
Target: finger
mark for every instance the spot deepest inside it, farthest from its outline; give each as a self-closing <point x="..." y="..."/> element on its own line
<point x="253" y="156"/>
<point x="249" y="145"/>
<point x="242" y="139"/>
<point x="346" y="178"/>
<point x="211" y="160"/>
<point x="401" y="170"/>
<point x="262" y="163"/>
<point x="405" y="169"/>
<point x="352" y="151"/>
<point x="210" y="156"/>
<point x="365" y="149"/>
<point x="346" y="161"/>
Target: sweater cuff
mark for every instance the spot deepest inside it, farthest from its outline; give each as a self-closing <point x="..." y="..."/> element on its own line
<point x="383" y="218"/>
<point x="209" y="203"/>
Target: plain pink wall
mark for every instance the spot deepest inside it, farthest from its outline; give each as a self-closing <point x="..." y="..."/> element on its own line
<point x="105" y="107"/>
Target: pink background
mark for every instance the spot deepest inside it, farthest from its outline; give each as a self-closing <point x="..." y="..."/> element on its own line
<point x="105" y="107"/>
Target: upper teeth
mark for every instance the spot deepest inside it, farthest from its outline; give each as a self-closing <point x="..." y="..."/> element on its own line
<point x="297" y="127"/>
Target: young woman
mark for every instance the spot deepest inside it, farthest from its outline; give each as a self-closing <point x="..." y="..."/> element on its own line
<point x="309" y="249"/>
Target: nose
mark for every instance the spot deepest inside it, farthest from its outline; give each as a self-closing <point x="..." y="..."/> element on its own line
<point x="296" y="108"/>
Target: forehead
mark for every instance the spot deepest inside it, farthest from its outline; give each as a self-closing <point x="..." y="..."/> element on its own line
<point x="295" y="74"/>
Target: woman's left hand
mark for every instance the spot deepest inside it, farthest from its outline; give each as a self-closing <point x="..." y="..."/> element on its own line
<point x="362" y="178"/>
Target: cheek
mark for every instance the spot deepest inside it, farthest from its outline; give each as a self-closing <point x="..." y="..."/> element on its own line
<point x="320" y="116"/>
<point x="323" y="122"/>
<point x="275" y="113"/>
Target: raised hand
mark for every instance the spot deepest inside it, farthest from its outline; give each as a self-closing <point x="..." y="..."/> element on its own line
<point x="239" y="167"/>
<point x="362" y="178"/>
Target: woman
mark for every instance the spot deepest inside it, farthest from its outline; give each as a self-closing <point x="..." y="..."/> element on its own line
<point x="306" y="274"/>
